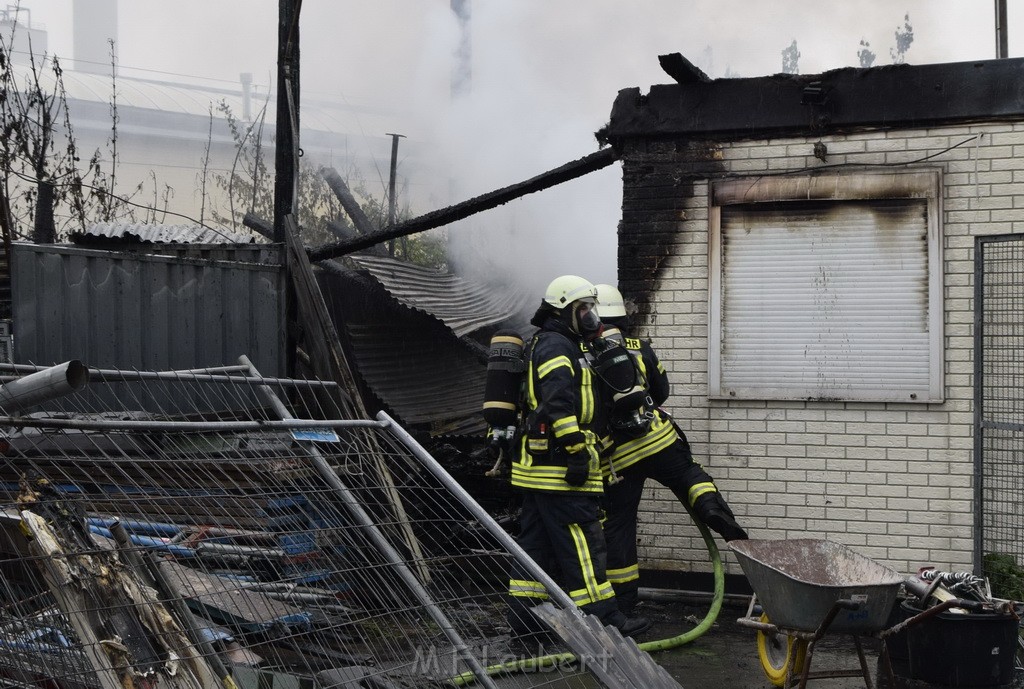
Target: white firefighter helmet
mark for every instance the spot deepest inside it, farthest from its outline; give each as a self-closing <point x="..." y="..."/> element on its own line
<point x="612" y="305"/>
<point x="566" y="289"/>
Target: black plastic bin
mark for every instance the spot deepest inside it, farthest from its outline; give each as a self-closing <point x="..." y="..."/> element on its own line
<point x="962" y="650"/>
<point x="897" y="643"/>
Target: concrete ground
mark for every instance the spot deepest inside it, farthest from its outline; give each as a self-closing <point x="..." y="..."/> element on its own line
<point x="726" y="657"/>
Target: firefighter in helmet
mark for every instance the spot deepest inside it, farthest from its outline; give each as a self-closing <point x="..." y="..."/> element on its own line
<point x="648" y="444"/>
<point x="557" y="466"/>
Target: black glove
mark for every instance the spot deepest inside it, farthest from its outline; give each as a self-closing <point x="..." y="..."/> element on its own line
<point x="712" y="509"/>
<point x="727" y="526"/>
<point x="578" y="469"/>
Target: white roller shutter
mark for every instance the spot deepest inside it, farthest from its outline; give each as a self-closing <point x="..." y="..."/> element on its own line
<point x="827" y="300"/>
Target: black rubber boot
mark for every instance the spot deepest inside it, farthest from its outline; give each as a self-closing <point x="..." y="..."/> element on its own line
<point x="524" y="623"/>
<point x="627" y="626"/>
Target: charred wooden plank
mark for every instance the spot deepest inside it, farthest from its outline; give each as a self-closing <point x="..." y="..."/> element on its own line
<point x="347" y="200"/>
<point x="492" y="199"/>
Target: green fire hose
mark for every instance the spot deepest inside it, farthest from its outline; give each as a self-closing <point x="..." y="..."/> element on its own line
<point x="529" y="664"/>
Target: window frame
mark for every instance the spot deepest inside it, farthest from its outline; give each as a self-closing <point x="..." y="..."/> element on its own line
<point x="847" y="185"/>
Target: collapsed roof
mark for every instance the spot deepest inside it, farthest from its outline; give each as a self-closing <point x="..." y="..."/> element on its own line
<point x="418" y="337"/>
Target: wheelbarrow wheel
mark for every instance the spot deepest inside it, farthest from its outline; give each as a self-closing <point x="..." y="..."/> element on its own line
<point x="778" y="652"/>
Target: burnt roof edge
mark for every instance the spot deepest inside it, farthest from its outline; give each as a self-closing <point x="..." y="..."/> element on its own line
<point x="839" y="100"/>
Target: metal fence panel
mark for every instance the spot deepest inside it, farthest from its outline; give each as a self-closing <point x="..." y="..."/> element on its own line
<point x="998" y="397"/>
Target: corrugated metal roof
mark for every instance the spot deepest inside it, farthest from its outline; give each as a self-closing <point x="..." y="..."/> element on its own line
<point x="411" y="361"/>
<point x="167" y="234"/>
<point x="463" y="305"/>
<point x="421" y="373"/>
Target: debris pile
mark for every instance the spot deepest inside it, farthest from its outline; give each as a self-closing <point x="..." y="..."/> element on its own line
<point x="158" y="543"/>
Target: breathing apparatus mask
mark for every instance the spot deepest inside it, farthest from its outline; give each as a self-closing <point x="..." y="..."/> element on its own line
<point x="582" y="318"/>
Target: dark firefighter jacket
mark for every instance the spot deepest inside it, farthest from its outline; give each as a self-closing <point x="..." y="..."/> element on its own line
<point x="661" y="434"/>
<point x="564" y="413"/>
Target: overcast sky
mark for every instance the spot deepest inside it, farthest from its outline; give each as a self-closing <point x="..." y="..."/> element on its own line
<point x="544" y="75"/>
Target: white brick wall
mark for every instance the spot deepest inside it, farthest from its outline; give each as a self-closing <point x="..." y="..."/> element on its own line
<point x="893" y="481"/>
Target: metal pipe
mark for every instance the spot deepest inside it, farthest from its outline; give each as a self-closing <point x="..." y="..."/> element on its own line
<point x="485" y="519"/>
<point x="205" y="547"/>
<point x="980" y="432"/>
<point x="42" y="386"/>
<point x="191" y="375"/>
<point x="115" y="376"/>
<point x="246" y="79"/>
<point x="1002" y="35"/>
<point x="382" y="544"/>
<point x="738" y="600"/>
<point x="184" y="426"/>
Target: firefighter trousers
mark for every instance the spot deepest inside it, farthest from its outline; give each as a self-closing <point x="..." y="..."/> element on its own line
<point x="562" y="533"/>
<point x="673" y="468"/>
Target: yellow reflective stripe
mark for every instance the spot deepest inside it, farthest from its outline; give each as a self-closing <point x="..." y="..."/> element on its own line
<point x="531" y="394"/>
<point x="586" y="563"/>
<point x="624" y="574"/>
<point x="586" y="395"/>
<point x="505" y="339"/>
<point x="525" y="458"/>
<point x="605" y="591"/>
<point x="582" y="596"/>
<point x="565" y="425"/>
<point x="521" y="588"/>
<point x="549" y="366"/>
<point x="492" y="404"/>
<point x="537" y="444"/>
<point x="549" y="477"/>
<point x="641" y="364"/>
<point x="661" y="435"/>
<point x="699" y="489"/>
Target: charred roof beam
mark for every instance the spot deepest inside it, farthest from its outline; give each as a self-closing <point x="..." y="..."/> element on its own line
<point x="444" y="216"/>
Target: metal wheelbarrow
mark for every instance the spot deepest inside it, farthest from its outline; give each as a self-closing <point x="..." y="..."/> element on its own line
<point x="810" y="587"/>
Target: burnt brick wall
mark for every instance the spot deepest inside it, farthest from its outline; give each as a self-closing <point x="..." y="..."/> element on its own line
<point x="891" y="480"/>
<point x="657" y="202"/>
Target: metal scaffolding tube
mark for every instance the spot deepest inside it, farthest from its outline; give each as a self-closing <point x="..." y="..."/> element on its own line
<point x="43" y="386"/>
<point x="182" y="426"/>
<point x="211" y="375"/>
<point x="486" y="520"/>
<point x="381" y="543"/>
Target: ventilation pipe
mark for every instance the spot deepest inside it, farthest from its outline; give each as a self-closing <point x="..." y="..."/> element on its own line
<point x="1002" y="37"/>
<point x="246" y="79"/>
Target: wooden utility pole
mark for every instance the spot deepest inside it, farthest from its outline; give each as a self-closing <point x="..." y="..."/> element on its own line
<point x="391" y="192"/>
<point x="286" y="157"/>
<point x="286" y="151"/>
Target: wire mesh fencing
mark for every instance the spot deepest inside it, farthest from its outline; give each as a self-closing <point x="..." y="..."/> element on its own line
<point x="999" y="402"/>
<point x="218" y="529"/>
